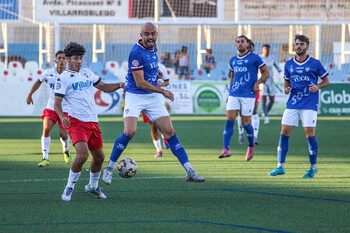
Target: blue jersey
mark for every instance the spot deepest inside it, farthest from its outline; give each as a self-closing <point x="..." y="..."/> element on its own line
<point x="301" y="75"/>
<point x="141" y="58"/>
<point x="245" y="74"/>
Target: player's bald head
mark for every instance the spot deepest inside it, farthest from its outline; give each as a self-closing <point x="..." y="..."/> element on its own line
<point x="148" y="27"/>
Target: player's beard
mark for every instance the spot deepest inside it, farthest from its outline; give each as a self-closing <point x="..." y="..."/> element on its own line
<point x="300" y="52"/>
<point x="148" y="45"/>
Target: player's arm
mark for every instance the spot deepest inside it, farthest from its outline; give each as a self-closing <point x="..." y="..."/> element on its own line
<point x="230" y="75"/>
<point x="325" y="82"/>
<point x="163" y="84"/>
<point x="287" y="86"/>
<point x="35" y="87"/>
<point x="58" y="109"/>
<point x="109" y="87"/>
<point x="265" y="73"/>
<point x="143" y="84"/>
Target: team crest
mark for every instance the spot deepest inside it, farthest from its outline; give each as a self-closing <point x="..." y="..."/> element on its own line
<point x="135" y="63"/>
<point x="58" y="85"/>
<point x="307" y="68"/>
<point x="233" y="63"/>
<point x="246" y="60"/>
<point x="86" y="76"/>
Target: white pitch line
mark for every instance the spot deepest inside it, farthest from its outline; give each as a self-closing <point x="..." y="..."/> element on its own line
<point x="158" y="177"/>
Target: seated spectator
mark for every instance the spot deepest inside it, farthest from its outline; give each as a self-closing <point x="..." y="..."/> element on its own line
<point x="209" y="61"/>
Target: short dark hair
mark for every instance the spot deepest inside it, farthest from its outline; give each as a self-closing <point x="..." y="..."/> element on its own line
<point x="302" y="38"/>
<point x="58" y="52"/>
<point x="209" y="51"/>
<point x="266" y="45"/>
<point x="74" y="49"/>
<point x="243" y="36"/>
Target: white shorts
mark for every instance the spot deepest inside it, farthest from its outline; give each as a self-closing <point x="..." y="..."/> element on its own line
<point x="153" y="105"/>
<point x="291" y="117"/>
<point x="269" y="89"/>
<point x="246" y="105"/>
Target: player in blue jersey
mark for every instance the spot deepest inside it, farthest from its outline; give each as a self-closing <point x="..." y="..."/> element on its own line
<point x="144" y="95"/>
<point x="301" y="82"/>
<point x="244" y="85"/>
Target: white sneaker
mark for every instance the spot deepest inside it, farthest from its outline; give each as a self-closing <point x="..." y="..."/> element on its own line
<point x="67" y="194"/>
<point x="191" y="176"/>
<point x="96" y="191"/>
<point x="107" y="175"/>
<point x="267" y="121"/>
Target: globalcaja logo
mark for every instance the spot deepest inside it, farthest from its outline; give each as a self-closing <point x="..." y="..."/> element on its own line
<point x="109" y="103"/>
<point x="335" y="99"/>
<point x="208" y="98"/>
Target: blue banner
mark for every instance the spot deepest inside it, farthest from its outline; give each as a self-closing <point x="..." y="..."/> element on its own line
<point x="9" y="10"/>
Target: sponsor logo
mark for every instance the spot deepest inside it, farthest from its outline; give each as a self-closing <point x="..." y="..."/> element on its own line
<point x="298" y="78"/>
<point x="208" y="100"/>
<point x="121" y="146"/>
<point x="237" y="69"/>
<point x="108" y="100"/>
<point x="291" y="69"/>
<point x="135" y="63"/>
<point x="80" y="85"/>
<point x="178" y="146"/>
<point x="330" y="97"/>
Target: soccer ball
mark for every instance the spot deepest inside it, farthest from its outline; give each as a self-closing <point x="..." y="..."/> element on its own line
<point x="127" y="167"/>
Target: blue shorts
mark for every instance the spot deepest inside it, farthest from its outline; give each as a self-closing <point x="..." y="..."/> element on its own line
<point x="182" y="70"/>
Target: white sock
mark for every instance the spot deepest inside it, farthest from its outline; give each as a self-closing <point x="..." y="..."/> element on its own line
<point x="111" y="164"/>
<point x="65" y="144"/>
<point x="239" y="125"/>
<point x="158" y="145"/>
<point x="256" y="124"/>
<point x="73" y="178"/>
<point x="313" y="166"/>
<point x="280" y="165"/>
<point x="94" y="177"/>
<point x="187" y="166"/>
<point x="45" y="146"/>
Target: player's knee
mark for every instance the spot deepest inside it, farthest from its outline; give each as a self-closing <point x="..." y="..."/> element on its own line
<point x="130" y="133"/>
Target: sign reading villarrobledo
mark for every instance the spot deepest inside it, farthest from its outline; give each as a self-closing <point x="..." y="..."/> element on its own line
<point x="335" y="99"/>
<point x="83" y="11"/>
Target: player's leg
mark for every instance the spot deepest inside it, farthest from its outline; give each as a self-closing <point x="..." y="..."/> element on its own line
<point x="256" y="120"/>
<point x="232" y="109"/>
<point x="95" y="173"/>
<point x="156" y="140"/>
<point x="82" y="150"/>
<point x="120" y="144"/>
<point x="271" y="102"/>
<point x="248" y="105"/>
<point x="165" y="126"/>
<point x="64" y="138"/>
<point x="48" y="124"/>
<point x="240" y="130"/>
<point x="264" y="105"/>
<point x="309" y="119"/>
<point x="290" y="119"/>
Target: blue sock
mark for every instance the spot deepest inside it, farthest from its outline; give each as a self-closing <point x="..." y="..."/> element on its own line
<point x="119" y="146"/>
<point x="282" y="149"/>
<point x="313" y="149"/>
<point x="228" y="132"/>
<point x="250" y="134"/>
<point x="177" y="149"/>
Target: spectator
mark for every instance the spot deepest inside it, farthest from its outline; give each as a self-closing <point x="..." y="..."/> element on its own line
<point x="175" y="61"/>
<point x="209" y="61"/>
<point x="184" y="64"/>
<point x="166" y="60"/>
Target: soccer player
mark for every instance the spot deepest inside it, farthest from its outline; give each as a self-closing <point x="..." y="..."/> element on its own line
<point x="244" y="84"/>
<point x="154" y="131"/>
<point x="269" y="86"/>
<point x="49" y="115"/>
<point x="301" y="82"/>
<point x="143" y="95"/>
<point x="255" y="117"/>
<point x="76" y="86"/>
